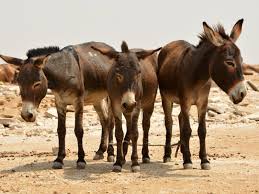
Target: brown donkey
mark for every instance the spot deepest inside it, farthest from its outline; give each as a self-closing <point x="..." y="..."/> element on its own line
<point x="185" y="74"/>
<point x="132" y="85"/>
<point x="76" y="75"/>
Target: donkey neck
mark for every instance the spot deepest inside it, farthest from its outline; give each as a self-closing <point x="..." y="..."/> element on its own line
<point x="47" y="70"/>
<point x="202" y="61"/>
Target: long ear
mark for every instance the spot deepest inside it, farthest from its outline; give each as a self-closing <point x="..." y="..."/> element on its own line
<point x="12" y="60"/>
<point x="40" y="61"/>
<point x="214" y="37"/>
<point x="107" y="52"/>
<point x="145" y="53"/>
<point x="236" y="30"/>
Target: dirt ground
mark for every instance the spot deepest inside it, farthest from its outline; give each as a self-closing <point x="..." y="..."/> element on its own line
<point x="26" y="151"/>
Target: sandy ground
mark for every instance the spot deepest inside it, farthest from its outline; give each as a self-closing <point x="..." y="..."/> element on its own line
<point x="232" y="143"/>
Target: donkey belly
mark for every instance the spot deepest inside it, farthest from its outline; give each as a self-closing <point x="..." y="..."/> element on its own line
<point x="93" y="97"/>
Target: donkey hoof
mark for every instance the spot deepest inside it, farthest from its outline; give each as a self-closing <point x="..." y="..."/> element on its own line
<point x="187" y="166"/>
<point x="98" y="157"/>
<point x="110" y="158"/>
<point x="205" y="166"/>
<point x="145" y="160"/>
<point x="135" y="168"/>
<point x="116" y="168"/>
<point x="57" y="165"/>
<point x="167" y="159"/>
<point x="123" y="162"/>
<point x="80" y="165"/>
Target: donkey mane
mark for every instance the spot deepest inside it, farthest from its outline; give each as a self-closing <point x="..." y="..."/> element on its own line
<point x="42" y="51"/>
<point x="218" y="28"/>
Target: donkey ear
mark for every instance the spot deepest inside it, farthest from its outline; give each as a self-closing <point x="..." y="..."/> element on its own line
<point x="214" y="37"/>
<point x="145" y="53"/>
<point x="40" y="61"/>
<point x="12" y="60"/>
<point x="107" y="52"/>
<point x="236" y="30"/>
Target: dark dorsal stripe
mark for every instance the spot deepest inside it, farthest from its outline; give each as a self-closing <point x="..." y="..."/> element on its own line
<point x="42" y="51"/>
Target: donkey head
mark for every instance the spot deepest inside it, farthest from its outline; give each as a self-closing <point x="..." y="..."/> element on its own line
<point x="226" y="61"/>
<point x="31" y="80"/>
<point x="124" y="77"/>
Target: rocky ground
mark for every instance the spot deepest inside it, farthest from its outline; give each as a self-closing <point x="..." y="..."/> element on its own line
<point x="27" y="151"/>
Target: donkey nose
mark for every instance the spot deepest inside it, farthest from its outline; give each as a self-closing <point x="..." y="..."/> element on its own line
<point x="238" y="93"/>
<point x="129" y="106"/>
<point x="28" y="116"/>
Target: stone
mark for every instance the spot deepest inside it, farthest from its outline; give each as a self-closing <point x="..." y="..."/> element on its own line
<point x="6" y="121"/>
<point x="254" y="116"/>
<point x="51" y="113"/>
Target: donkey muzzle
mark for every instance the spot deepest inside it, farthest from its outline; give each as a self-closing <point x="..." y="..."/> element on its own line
<point x="28" y="112"/>
<point x="238" y="92"/>
<point x="128" y="102"/>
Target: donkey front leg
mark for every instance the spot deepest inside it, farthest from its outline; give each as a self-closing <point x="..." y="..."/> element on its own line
<point x="61" y="110"/>
<point x="185" y="134"/>
<point x="79" y="132"/>
<point x="146" y="125"/>
<point x="205" y="164"/>
<point x="134" y="138"/>
<point x="119" y="137"/>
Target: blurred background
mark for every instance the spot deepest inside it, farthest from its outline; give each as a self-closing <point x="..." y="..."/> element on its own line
<point x="29" y="24"/>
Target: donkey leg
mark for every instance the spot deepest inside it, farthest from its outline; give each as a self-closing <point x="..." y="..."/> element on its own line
<point x="79" y="132"/>
<point x="102" y="111"/>
<point x="185" y="134"/>
<point x="205" y="164"/>
<point x="119" y="137"/>
<point x="167" y="107"/>
<point x="61" y="110"/>
<point x="146" y="125"/>
<point x="126" y="139"/>
<point x="110" y="150"/>
<point x="125" y="145"/>
<point x="134" y="138"/>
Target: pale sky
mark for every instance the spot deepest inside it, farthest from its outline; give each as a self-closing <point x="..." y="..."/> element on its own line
<point x="146" y="24"/>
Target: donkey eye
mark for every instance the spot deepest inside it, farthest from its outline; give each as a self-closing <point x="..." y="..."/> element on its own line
<point x="230" y="63"/>
<point x="37" y="84"/>
<point x="119" y="77"/>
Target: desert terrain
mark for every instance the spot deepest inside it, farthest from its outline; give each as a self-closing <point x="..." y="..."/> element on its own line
<point x="28" y="149"/>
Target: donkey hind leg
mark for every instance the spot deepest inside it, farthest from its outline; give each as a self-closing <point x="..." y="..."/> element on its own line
<point x="79" y="132"/>
<point x="119" y="137"/>
<point x="185" y="134"/>
<point x="167" y="107"/>
<point x="205" y="164"/>
<point x="61" y="110"/>
<point x="102" y="111"/>
<point x="134" y="138"/>
<point x="147" y="112"/>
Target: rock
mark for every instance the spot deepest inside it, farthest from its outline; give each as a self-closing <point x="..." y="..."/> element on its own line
<point x="1" y="102"/>
<point x="254" y="116"/>
<point x="38" y="123"/>
<point x="215" y="109"/>
<point x="211" y="113"/>
<point x="55" y="151"/>
<point x="214" y="99"/>
<point x="1" y="126"/>
<point x="51" y="113"/>
<point x="6" y="121"/>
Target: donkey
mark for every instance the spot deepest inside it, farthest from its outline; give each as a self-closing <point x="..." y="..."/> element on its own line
<point x="132" y="85"/>
<point x="185" y="74"/>
<point x="77" y="76"/>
